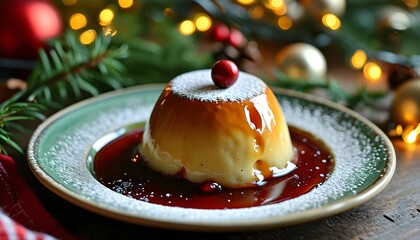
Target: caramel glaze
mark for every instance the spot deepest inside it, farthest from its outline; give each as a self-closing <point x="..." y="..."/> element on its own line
<point x="199" y="135"/>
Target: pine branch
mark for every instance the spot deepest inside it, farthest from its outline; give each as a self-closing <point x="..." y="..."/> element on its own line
<point x="69" y="67"/>
<point x="69" y="70"/>
<point x="12" y="113"/>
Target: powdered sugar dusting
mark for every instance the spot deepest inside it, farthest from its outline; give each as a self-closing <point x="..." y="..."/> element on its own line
<point x="358" y="151"/>
<point x="198" y="85"/>
<point x="60" y="158"/>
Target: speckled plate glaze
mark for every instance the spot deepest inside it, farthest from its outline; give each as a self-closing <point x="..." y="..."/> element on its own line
<point x="61" y="148"/>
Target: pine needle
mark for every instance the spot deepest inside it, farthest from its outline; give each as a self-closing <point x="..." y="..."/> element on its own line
<point x="69" y="70"/>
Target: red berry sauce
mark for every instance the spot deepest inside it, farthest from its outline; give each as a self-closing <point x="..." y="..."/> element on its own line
<point x="118" y="166"/>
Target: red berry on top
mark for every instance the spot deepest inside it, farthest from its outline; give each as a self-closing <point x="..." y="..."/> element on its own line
<point x="224" y="73"/>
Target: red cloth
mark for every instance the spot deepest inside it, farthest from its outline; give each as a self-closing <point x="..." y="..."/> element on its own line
<point x="22" y="216"/>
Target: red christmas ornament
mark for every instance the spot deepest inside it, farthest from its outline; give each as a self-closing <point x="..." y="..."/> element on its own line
<point x="224" y="73"/>
<point x="25" y="25"/>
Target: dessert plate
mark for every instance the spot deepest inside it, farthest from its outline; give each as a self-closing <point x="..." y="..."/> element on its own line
<point x="61" y="149"/>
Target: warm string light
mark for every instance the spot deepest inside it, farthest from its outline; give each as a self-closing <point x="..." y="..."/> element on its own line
<point x="280" y="11"/>
<point x="79" y="21"/>
<point x="246" y="2"/>
<point x="106" y="16"/>
<point x="275" y="4"/>
<point x="88" y="36"/>
<point x="358" y="59"/>
<point x="186" y="27"/>
<point x="285" y="22"/>
<point x="409" y="134"/>
<point x="276" y="7"/>
<point x="371" y="70"/>
<point x="280" y="8"/>
<point x="125" y="3"/>
<point x="331" y="21"/>
<point x="373" y="73"/>
<point x="202" y="22"/>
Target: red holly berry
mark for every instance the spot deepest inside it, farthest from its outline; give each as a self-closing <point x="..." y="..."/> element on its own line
<point x="236" y="38"/>
<point x="221" y="32"/>
<point x="224" y="73"/>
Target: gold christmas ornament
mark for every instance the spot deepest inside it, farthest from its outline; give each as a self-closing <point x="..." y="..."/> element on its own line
<point x="301" y="61"/>
<point x="405" y="106"/>
<point x="318" y="8"/>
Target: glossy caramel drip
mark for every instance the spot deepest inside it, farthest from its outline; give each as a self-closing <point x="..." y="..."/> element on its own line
<point x="217" y="141"/>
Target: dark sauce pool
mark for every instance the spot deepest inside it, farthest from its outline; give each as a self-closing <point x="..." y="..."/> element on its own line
<point x="118" y="167"/>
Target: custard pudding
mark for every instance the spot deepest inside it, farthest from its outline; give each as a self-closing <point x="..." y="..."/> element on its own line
<point x="235" y="136"/>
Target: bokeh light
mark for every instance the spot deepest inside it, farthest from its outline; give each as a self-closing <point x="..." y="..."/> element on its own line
<point x="246" y="2"/>
<point x="125" y="3"/>
<point x="331" y="21"/>
<point x="399" y="130"/>
<point x="106" y="16"/>
<point x="87" y="37"/>
<point x="285" y="22"/>
<point x="372" y="71"/>
<point x="186" y="27"/>
<point x="202" y="22"/>
<point x="274" y="4"/>
<point x="410" y="134"/>
<point x="358" y="60"/>
<point x="77" y="21"/>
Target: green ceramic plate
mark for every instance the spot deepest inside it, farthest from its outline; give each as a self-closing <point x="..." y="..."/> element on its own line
<point x="59" y="154"/>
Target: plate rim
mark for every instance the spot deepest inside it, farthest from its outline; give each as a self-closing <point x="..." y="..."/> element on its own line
<point x="329" y="209"/>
